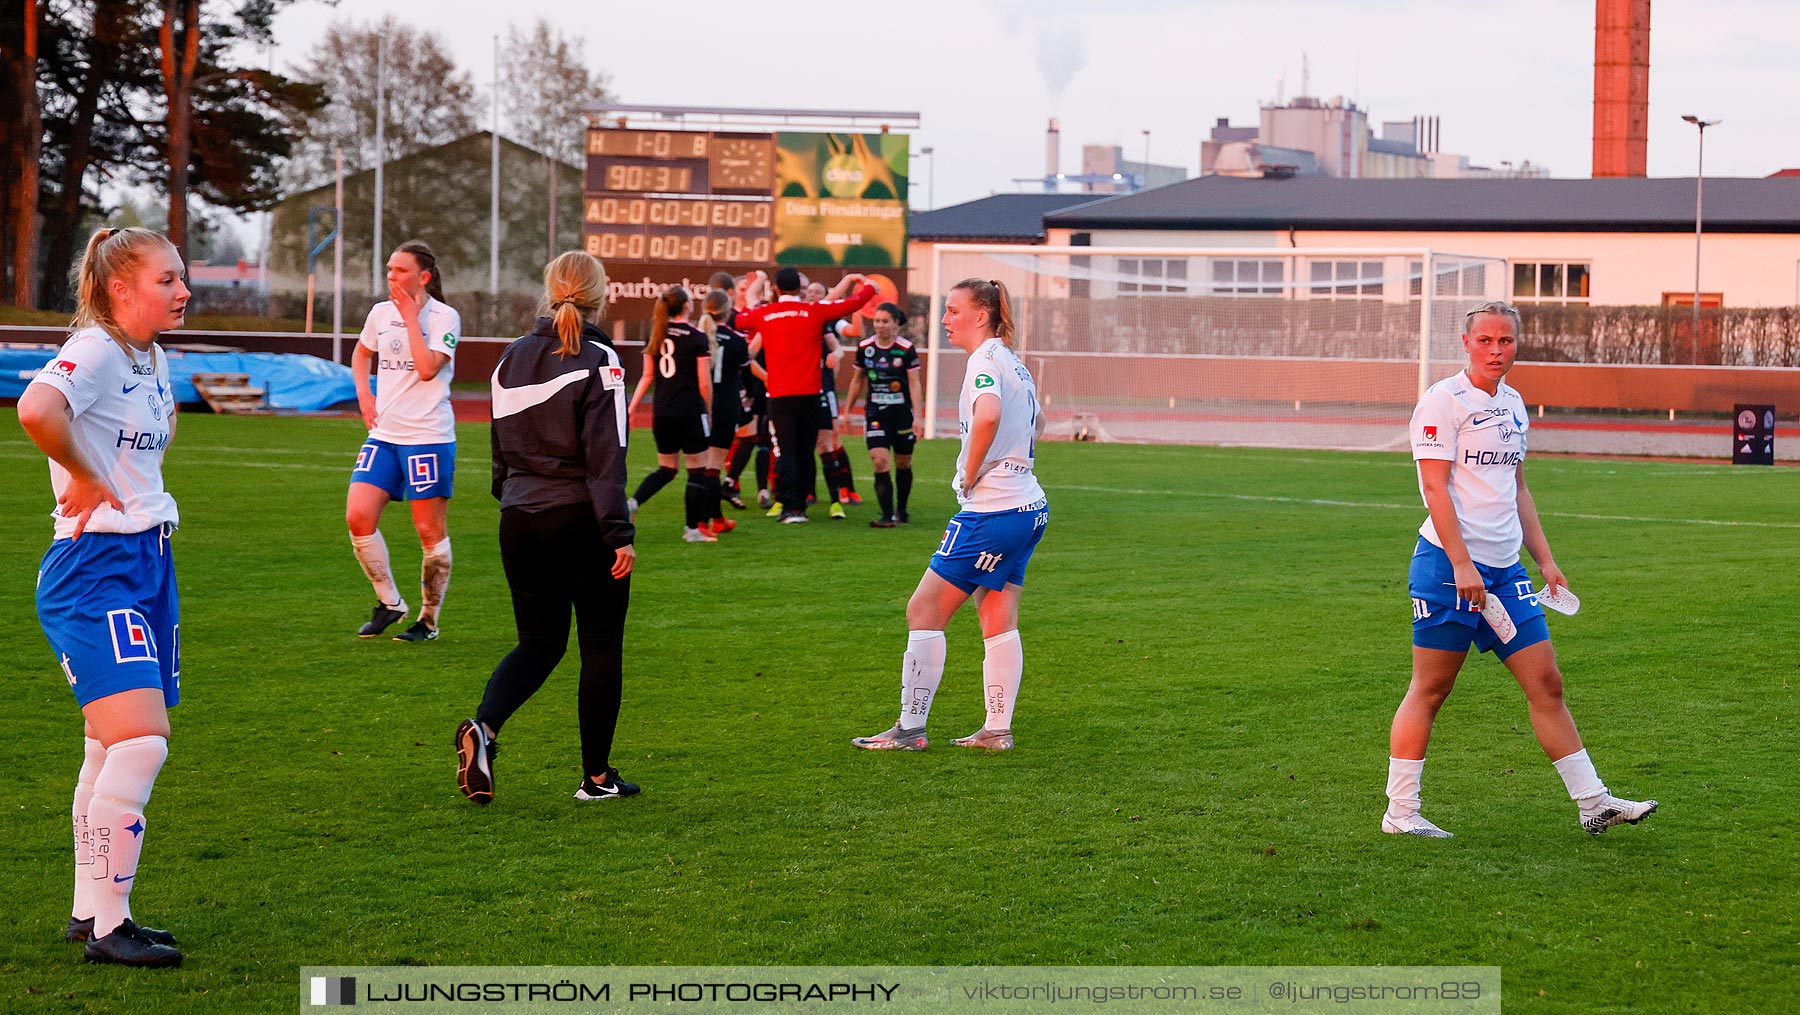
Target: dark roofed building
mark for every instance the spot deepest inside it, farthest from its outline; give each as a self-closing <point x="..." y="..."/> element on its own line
<point x="1002" y="218"/>
<point x="1607" y="205"/>
<point x="1617" y="241"/>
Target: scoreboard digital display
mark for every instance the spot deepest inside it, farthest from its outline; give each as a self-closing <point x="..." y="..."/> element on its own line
<point x="701" y="197"/>
<point x="664" y="207"/>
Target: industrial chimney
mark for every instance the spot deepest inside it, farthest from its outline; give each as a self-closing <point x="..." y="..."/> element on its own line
<point x="1621" y="87"/>
<point x="1052" y="155"/>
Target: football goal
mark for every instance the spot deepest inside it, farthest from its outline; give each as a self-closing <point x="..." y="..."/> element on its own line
<point x="1281" y="347"/>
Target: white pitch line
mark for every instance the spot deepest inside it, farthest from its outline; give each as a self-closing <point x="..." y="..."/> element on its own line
<point x="181" y="461"/>
<point x="1321" y="502"/>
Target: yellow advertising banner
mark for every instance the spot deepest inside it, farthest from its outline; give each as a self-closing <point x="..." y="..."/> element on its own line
<point x="840" y="199"/>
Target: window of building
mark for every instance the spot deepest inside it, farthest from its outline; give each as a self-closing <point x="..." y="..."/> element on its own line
<point x="1468" y="281"/>
<point x="1153" y="276"/>
<point x="1246" y="276"/>
<point x="1345" y="279"/>
<point x="1550" y="281"/>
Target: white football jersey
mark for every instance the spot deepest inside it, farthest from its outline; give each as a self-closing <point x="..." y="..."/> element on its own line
<point x="409" y="410"/>
<point x="1004" y="482"/>
<point x="122" y="406"/>
<point x="1483" y="438"/>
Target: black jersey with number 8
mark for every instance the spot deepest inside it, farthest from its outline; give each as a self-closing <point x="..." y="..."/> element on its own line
<point x="678" y="358"/>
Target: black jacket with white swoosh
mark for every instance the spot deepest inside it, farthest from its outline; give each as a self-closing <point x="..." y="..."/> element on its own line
<point x="559" y="428"/>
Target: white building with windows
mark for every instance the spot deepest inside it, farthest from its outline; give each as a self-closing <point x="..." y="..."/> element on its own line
<point x="1616" y="242"/>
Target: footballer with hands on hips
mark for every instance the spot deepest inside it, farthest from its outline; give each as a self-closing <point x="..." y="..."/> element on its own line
<point x="410" y="453"/>
<point x="103" y="412"/>
<point x="1468" y="585"/>
<point x="987" y="546"/>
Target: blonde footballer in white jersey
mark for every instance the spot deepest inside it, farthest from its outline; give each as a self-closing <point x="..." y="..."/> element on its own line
<point x="1469" y="436"/>
<point x="103" y="412"/>
<point x="987" y="546"/>
<point x="410" y="453"/>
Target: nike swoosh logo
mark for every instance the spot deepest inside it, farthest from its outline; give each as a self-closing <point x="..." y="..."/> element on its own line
<point x="130" y="389"/>
<point x="127" y="877"/>
<point x="512" y="401"/>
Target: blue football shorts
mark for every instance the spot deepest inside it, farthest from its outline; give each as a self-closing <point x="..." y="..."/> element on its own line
<point x="1444" y="620"/>
<point x="108" y="606"/>
<point x="990" y="549"/>
<point x="406" y="471"/>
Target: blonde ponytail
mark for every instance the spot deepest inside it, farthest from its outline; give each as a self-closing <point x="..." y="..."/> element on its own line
<point x="716" y="305"/>
<point x="990" y="295"/>
<point x="110" y="253"/>
<point x="574" y="290"/>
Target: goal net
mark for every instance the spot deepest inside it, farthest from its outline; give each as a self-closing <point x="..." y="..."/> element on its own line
<point x="1278" y="347"/>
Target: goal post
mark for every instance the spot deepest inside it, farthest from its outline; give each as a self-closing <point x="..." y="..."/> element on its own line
<point x="1318" y="347"/>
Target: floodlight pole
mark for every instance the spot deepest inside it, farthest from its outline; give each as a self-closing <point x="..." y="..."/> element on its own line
<point x="1146" y="182"/>
<point x="1699" y="184"/>
<point x="930" y="176"/>
<point x="337" y="271"/>
<point x="494" y="203"/>
<point x="378" y="256"/>
<point x="933" y="349"/>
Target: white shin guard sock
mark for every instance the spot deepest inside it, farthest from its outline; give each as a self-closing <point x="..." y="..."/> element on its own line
<point x="372" y="554"/>
<point x="921" y="671"/>
<point x="1403" y="785"/>
<point x="434" y="580"/>
<point x="94" y="755"/>
<point x="1583" y="783"/>
<point x="1002" y="669"/>
<point x="116" y="825"/>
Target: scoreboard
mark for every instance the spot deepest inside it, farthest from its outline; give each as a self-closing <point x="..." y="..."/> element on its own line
<point x="680" y="197"/>
<point x="663" y="207"/>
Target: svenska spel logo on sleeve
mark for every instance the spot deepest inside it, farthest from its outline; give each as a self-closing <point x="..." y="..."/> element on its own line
<point x="983" y="381"/>
<point x="58" y="368"/>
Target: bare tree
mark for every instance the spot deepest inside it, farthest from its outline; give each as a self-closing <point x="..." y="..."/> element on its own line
<point x="428" y="101"/>
<point x="21" y="141"/>
<point x="546" y="84"/>
<point x="180" y="55"/>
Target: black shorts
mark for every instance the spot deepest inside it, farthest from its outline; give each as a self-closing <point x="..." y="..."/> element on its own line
<point x="827" y="414"/>
<point x="687" y="435"/>
<point x="890" y="429"/>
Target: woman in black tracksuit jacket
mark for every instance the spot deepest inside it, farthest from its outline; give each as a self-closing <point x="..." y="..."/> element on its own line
<point x="559" y="432"/>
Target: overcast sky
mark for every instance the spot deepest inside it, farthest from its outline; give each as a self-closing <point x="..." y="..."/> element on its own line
<point x="1510" y="81"/>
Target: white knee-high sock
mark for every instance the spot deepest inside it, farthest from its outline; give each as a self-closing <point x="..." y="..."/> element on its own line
<point x="93" y="756"/>
<point x="1001" y="670"/>
<point x="1578" y="775"/>
<point x="116" y="824"/>
<point x="920" y="672"/>
<point x="1403" y="785"/>
<point x="372" y="554"/>
<point x="434" y="580"/>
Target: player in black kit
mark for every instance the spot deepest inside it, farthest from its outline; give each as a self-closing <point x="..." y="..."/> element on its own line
<point x="678" y="359"/>
<point x="730" y="354"/>
<point x="887" y="366"/>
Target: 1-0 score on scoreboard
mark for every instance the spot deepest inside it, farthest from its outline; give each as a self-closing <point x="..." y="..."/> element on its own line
<point x="679" y="196"/>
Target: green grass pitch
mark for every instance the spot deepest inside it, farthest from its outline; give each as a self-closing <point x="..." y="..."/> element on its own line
<point x="1215" y="642"/>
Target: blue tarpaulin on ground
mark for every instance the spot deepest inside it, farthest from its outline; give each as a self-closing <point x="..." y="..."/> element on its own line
<point x="293" y="381"/>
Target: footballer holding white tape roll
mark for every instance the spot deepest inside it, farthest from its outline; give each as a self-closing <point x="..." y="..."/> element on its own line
<point x="1469" y="436"/>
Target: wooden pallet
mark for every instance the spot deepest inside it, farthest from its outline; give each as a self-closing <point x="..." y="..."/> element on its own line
<point x="231" y="393"/>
